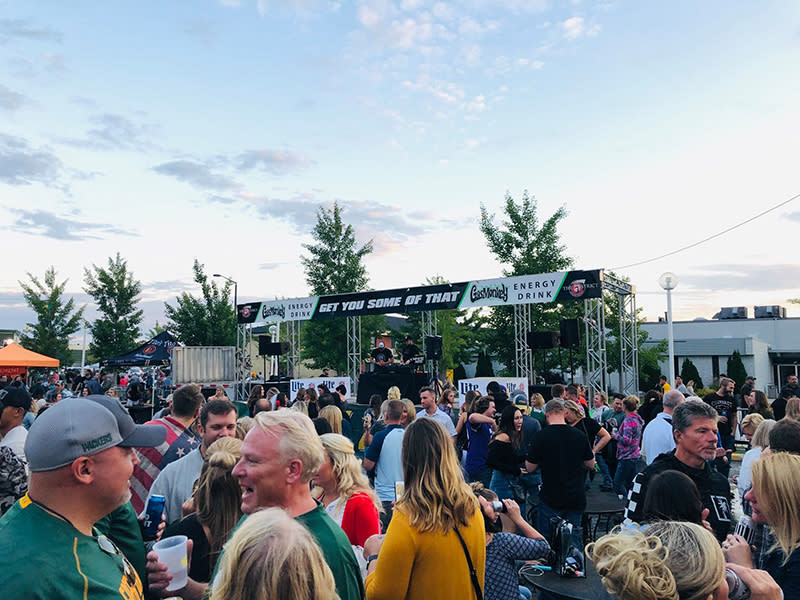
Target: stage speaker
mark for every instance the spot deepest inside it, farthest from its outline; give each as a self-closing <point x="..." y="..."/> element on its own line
<point x="277" y="348"/>
<point x="569" y="333"/>
<point x="433" y="347"/>
<point x="543" y="339"/>
<point x="263" y="344"/>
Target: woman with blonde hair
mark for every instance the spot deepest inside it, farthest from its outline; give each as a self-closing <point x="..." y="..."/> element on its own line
<point x="793" y="409"/>
<point x="393" y="393"/>
<point x="273" y="557"/>
<point x="437" y="517"/>
<point x="758" y="441"/>
<point x="300" y="406"/>
<point x="774" y="498"/>
<point x="217" y="499"/>
<point x="333" y="416"/>
<point x="409" y="413"/>
<point x="346" y="493"/>
<point x="670" y="560"/>
<point x="537" y="408"/>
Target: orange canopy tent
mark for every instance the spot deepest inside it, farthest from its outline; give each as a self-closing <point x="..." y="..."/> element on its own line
<point x="14" y="360"/>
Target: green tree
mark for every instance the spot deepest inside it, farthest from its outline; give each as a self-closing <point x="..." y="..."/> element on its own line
<point x="736" y="371"/>
<point x="334" y="265"/>
<point x="209" y="320"/>
<point x="155" y="330"/>
<point x="525" y="245"/>
<point x="56" y="317"/>
<point x="689" y="373"/>
<point x="649" y="365"/>
<point x="116" y="294"/>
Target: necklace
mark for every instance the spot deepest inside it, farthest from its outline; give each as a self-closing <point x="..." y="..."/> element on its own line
<point x="51" y="511"/>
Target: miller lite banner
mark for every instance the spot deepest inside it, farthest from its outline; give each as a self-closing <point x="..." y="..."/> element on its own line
<point x="563" y="286"/>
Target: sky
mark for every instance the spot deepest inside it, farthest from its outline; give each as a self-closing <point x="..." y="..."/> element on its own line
<point x="215" y="129"/>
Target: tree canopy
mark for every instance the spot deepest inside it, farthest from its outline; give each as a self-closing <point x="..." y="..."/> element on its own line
<point x="116" y="293"/>
<point x="334" y="265"/>
<point x="208" y="320"/>
<point x="524" y="245"/>
<point x="56" y="317"/>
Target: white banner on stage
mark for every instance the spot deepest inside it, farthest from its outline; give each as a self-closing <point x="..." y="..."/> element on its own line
<point x="314" y="382"/>
<point x="511" y="384"/>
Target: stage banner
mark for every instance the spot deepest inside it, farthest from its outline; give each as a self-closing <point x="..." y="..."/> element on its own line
<point x="314" y="382"/>
<point x="511" y="384"/>
<point x="538" y="288"/>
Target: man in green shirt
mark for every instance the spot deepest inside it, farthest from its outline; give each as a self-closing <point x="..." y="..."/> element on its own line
<point x="280" y="455"/>
<point x="80" y="453"/>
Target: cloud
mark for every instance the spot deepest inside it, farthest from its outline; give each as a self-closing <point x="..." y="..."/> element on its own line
<point x="114" y="132"/>
<point x="171" y="285"/>
<point x="21" y="164"/>
<point x="793" y="216"/>
<point x="22" y="29"/>
<point x="747" y="277"/>
<point x="575" y="28"/>
<point x="197" y="174"/>
<point x="447" y="92"/>
<point x="270" y="266"/>
<point x="11" y="100"/>
<point x="48" y="224"/>
<point x="273" y="161"/>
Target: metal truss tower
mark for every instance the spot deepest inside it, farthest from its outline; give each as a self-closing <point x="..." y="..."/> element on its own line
<point x="523" y="354"/>
<point x="354" y="350"/>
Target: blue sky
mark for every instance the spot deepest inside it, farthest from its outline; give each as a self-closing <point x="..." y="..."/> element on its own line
<point x="214" y="130"/>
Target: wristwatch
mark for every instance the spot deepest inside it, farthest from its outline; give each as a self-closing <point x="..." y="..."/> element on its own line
<point x="371" y="558"/>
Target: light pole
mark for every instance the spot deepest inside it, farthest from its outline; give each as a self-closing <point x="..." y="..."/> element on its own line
<point x="235" y="324"/>
<point x="669" y="281"/>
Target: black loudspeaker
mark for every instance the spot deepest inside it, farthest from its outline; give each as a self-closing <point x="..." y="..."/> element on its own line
<point x="569" y="333"/>
<point x="277" y="348"/>
<point x="263" y="344"/>
<point x="543" y="339"/>
<point x="433" y="347"/>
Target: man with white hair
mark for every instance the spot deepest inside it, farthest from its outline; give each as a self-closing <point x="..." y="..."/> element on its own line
<point x="658" y="438"/>
<point x="280" y="455"/>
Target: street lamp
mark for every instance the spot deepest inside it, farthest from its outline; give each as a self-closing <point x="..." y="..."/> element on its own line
<point x="669" y="281"/>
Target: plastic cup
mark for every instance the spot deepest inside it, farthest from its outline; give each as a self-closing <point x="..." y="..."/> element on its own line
<point x="172" y="552"/>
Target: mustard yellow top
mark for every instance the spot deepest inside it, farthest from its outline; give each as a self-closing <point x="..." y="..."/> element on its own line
<point x="414" y="565"/>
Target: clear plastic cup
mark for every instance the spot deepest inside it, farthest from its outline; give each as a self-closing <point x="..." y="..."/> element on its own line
<point x="172" y="552"/>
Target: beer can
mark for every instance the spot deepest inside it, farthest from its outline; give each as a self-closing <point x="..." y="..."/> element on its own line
<point x="152" y="516"/>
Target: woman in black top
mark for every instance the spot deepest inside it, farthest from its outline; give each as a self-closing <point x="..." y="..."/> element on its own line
<point x="596" y="435"/>
<point x="503" y="456"/>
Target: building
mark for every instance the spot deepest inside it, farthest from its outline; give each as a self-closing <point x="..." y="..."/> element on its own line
<point x="769" y="347"/>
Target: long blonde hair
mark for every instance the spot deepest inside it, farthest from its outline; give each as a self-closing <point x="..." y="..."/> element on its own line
<point x="393" y="393"/>
<point x="346" y="470"/>
<point x="273" y="557"/>
<point x="793" y="409"/>
<point x="412" y="410"/>
<point x="218" y="496"/>
<point x="436" y="497"/>
<point x="671" y="560"/>
<point x="332" y="415"/>
<point x="776" y="484"/>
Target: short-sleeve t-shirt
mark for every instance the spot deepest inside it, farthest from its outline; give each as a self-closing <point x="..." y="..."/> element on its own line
<point x="560" y="451"/>
<point x="724" y="405"/>
<point x="590" y="427"/>
<point x="43" y="557"/>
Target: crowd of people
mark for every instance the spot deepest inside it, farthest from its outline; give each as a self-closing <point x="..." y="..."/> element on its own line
<point x="446" y="502"/>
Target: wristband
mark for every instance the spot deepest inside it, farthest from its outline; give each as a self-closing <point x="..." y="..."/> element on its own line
<point x="371" y="558"/>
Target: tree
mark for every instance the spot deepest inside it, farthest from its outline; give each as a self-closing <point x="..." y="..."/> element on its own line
<point x="155" y="330"/>
<point x="649" y="365"/>
<point x="334" y="266"/>
<point x="56" y="318"/>
<point x="484" y="367"/>
<point x="206" y="321"/>
<point x="524" y="245"/>
<point x="116" y="294"/>
<point x="689" y="373"/>
<point x="736" y="371"/>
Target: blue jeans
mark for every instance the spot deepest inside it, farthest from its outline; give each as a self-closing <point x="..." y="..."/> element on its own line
<point x="525" y="593"/>
<point x="601" y="463"/>
<point x="546" y="512"/>
<point x="501" y="485"/>
<point x="484" y="476"/>
<point x="626" y="471"/>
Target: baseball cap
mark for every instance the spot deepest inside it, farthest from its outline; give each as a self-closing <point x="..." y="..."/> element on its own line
<point x="15" y="396"/>
<point x="84" y="426"/>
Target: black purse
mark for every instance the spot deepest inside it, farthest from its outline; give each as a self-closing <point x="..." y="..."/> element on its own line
<point x="472" y="573"/>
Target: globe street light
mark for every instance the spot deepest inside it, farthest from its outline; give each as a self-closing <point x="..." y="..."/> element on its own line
<point x="669" y="281"/>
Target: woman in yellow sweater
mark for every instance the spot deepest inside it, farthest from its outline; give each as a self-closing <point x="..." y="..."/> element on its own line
<point x="421" y="555"/>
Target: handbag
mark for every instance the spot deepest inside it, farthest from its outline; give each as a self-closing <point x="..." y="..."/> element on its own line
<point x="472" y="573"/>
